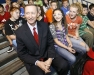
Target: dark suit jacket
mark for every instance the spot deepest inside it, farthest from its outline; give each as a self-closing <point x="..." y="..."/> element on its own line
<point x="28" y="50"/>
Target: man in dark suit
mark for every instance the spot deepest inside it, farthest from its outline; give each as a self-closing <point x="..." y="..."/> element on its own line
<point x="35" y="46"/>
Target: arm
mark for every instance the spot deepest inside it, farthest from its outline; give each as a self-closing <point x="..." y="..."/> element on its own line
<point x="13" y="37"/>
<point x="91" y="23"/>
<point x="50" y="44"/>
<point x="53" y="32"/>
<point x="60" y="44"/>
<point x="69" y="42"/>
<point x="69" y="48"/>
<point x="22" y="51"/>
<point x="1" y="26"/>
<point x="77" y="32"/>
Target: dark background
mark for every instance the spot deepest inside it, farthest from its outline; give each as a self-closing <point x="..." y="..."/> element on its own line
<point x="3" y="1"/>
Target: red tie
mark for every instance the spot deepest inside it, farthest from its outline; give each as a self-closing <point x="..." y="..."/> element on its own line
<point x="35" y="36"/>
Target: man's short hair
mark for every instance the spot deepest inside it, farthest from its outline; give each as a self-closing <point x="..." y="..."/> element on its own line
<point x="84" y="6"/>
<point x="53" y="2"/>
<point x="91" y="6"/>
<point x="32" y="5"/>
<point x="1" y="6"/>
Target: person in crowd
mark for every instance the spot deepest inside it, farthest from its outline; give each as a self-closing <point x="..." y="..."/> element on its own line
<point x="41" y="16"/>
<point x="45" y="5"/>
<point x="4" y="16"/>
<point x="63" y="44"/>
<point x="49" y="13"/>
<point x="12" y="24"/>
<point x="35" y="46"/>
<point x="22" y="5"/>
<point x="8" y="5"/>
<point x="88" y="68"/>
<point x="90" y="15"/>
<point x="38" y="2"/>
<point x="84" y="30"/>
<point x="65" y="7"/>
<point x="30" y="2"/>
<point x="15" y="4"/>
<point x="73" y="22"/>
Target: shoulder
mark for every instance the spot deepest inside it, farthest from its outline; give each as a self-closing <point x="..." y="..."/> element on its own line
<point x="79" y="18"/>
<point x="52" y="26"/>
<point x="8" y="13"/>
<point x="49" y="10"/>
<point x="20" y="30"/>
<point x="42" y="24"/>
<point x="8" y="21"/>
<point x="67" y="16"/>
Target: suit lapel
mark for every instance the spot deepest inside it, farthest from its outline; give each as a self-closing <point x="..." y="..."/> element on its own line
<point x="29" y="34"/>
<point x="39" y="33"/>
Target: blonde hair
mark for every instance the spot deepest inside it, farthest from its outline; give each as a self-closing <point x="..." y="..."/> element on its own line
<point x="78" y="6"/>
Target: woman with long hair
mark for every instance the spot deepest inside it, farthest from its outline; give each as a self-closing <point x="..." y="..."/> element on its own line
<point x="63" y="44"/>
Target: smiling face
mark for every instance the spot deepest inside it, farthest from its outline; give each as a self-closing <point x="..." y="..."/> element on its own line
<point x="31" y="14"/>
<point x="85" y="11"/>
<point x="65" y="4"/>
<point x="92" y="11"/>
<point x="58" y="15"/>
<point x="73" y="12"/>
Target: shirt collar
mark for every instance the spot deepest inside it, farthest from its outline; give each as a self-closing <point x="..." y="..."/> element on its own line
<point x="31" y="27"/>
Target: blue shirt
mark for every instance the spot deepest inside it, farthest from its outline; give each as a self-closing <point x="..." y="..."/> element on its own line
<point x="65" y="10"/>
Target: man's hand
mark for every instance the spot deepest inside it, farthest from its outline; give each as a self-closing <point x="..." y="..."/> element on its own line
<point x="48" y="63"/>
<point x="43" y="66"/>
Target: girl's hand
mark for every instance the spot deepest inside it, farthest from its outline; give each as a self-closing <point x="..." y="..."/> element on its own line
<point x="70" y="45"/>
<point x="71" y="50"/>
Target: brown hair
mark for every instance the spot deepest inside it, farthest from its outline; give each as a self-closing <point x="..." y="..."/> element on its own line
<point x="64" y="1"/>
<point x="13" y="9"/>
<point x="42" y="11"/>
<point x="63" y="19"/>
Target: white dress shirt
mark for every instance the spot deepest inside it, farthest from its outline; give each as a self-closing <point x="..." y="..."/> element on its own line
<point x="31" y="27"/>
